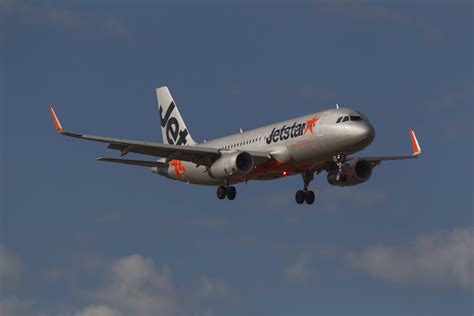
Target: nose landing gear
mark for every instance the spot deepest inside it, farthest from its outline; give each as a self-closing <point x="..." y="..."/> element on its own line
<point x="339" y="160"/>
<point x="224" y="191"/>
<point x="305" y="195"/>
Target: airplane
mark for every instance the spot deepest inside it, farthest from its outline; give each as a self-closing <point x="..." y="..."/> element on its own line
<point x="313" y="143"/>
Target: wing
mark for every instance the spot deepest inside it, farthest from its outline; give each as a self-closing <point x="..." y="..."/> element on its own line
<point x="196" y="154"/>
<point x="143" y="163"/>
<point x="376" y="160"/>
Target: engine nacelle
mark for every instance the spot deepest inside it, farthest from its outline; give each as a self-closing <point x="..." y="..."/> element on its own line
<point x="232" y="165"/>
<point x="354" y="172"/>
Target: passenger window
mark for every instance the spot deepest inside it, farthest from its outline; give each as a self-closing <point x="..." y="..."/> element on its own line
<point x="339" y="120"/>
<point x="355" y="118"/>
<point x="345" y="119"/>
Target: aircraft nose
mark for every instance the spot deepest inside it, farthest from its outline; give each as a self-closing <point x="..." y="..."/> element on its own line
<point x="363" y="132"/>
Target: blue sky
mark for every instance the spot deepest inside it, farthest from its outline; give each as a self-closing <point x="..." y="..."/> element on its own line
<point x="80" y="237"/>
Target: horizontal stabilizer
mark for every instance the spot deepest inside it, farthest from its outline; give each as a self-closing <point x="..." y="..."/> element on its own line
<point x="143" y="163"/>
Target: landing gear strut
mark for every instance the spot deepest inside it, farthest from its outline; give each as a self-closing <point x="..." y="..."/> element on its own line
<point x="339" y="160"/>
<point x="224" y="191"/>
<point x="306" y="195"/>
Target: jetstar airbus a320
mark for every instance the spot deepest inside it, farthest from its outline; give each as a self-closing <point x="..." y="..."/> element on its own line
<point x="322" y="141"/>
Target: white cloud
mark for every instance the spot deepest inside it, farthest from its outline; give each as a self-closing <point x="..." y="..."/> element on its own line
<point x="311" y="92"/>
<point x="212" y="223"/>
<point x="335" y="197"/>
<point x="9" y="266"/>
<point x="376" y="13"/>
<point x="135" y="287"/>
<point x="11" y="306"/>
<point x="212" y="289"/>
<point x="442" y="258"/>
<point x="64" y="18"/>
<point x="299" y="271"/>
<point x="10" y="273"/>
<point x="100" y="310"/>
<point x="116" y="28"/>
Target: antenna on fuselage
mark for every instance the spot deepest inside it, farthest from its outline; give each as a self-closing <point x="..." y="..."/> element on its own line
<point x="337" y="106"/>
<point x="241" y="131"/>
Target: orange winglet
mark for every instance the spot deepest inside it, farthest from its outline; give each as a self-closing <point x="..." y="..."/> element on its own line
<point x="55" y="119"/>
<point x="414" y="143"/>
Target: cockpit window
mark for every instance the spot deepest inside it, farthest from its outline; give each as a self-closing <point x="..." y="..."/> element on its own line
<point x="345" y="119"/>
<point x="363" y="117"/>
<point x="339" y="120"/>
<point x="355" y="118"/>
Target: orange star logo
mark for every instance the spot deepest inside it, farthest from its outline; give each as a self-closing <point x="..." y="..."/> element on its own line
<point x="178" y="167"/>
<point x="309" y="125"/>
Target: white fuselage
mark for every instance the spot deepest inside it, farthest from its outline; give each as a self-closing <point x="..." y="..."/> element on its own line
<point x="297" y="145"/>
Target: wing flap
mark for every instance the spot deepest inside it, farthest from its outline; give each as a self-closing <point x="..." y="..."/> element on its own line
<point x="143" y="163"/>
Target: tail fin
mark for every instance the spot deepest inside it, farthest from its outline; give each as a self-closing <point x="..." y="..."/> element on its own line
<point x="173" y="128"/>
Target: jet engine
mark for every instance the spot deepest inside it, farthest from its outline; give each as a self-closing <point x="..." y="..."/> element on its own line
<point x="353" y="172"/>
<point x="231" y="165"/>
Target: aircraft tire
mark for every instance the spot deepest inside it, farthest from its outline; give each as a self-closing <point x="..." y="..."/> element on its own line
<point x="300" y="197"/>
<point x="309" y="197"/>
<point x="221" y="192"/>
<point x="231" y="193"/>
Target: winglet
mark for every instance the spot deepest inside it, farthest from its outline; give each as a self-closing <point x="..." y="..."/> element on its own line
<point x="58" y="126"/>
<point x="414" y="143"/>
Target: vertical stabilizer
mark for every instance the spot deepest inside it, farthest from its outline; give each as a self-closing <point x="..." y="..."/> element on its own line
<point x="173" y="128"/>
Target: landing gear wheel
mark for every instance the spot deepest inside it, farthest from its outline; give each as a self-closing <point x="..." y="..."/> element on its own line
<point x="309" y="197"/>
<point x="221" y="192"/>
<point x="231" y="193"/>
<point x="300" y="197"/>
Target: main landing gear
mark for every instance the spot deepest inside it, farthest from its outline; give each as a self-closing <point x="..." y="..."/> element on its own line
<point x="226" y="190"/>
<point x="306" y="195"/>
